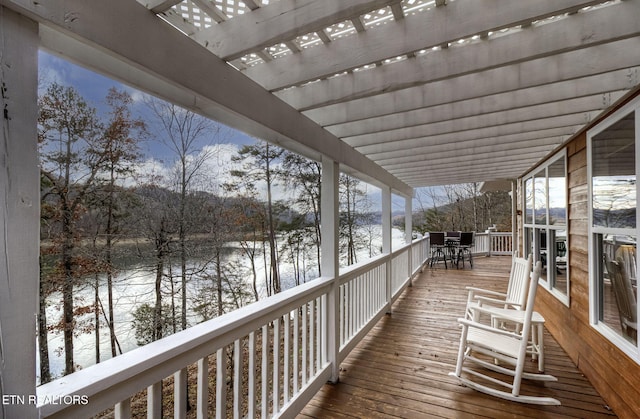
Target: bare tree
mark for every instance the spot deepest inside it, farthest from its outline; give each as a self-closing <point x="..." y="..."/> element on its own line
<point x="186" y="134"/>
<point x="259" y="162"/>
<point x="119" y="147"/>
<point x="68" y="130"/>
<point x="355" y="215"/>
<point x="304" y="177"/>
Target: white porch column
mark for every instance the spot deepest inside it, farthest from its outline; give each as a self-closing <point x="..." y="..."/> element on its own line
<point x="386" y="239"/>
<point x="408" y="219"/>
<point x="19" y="214"/>
<point x="329" y="219"/>
<point x="408" y="232"/>
<point x="514" y="218"/>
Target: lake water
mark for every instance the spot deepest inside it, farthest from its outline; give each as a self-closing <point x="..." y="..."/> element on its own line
<point x="133" y="286"/>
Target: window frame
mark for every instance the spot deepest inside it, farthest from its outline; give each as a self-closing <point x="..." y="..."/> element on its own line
<point x="633" y="351"/>
<point x="533" y="227"/>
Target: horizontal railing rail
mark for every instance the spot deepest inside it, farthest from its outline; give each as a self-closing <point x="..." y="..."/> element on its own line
<point x="267" y="359"/>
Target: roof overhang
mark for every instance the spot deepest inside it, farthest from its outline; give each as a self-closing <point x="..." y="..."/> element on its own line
<point x="404" y="93"/>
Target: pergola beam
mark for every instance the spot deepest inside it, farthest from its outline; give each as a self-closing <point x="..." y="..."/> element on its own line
<point x="437" y="27"/>
<point x="280" y="22"/>
<point x="561" y="37"/>
<point x="159" y="6"/>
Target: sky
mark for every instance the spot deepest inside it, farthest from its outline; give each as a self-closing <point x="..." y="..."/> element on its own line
<point x="93" y="88"/>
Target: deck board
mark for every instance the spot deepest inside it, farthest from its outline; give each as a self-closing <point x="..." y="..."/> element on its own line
<point x="401" y="367"/>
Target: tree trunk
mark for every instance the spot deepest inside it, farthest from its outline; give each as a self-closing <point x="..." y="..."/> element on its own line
<point x="43" y="343"/>
<point x="96" y="315"/>
<point x="272" y="233"/>
<point x="108" y="245"/>
<point x="219" y="281"/>
<point x="67" y="290"/>
<point x="160" y="255"/>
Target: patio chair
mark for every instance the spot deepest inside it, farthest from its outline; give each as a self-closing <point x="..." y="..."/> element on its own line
<point x="464" y="248"/>
<point x="624" y="296"/>
<point x="514" y="298"/>
<point x="438" y="248"/>
<point x="479" y="343"/>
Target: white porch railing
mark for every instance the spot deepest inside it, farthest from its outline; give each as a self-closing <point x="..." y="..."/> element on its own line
<point x="267" y="359"/>
<point x="493" y="243"/>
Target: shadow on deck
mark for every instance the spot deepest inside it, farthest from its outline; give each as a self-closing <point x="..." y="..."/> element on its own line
<point x="400" y="369"/>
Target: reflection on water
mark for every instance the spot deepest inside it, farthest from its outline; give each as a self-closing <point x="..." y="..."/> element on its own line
<point x="134" y="285"/>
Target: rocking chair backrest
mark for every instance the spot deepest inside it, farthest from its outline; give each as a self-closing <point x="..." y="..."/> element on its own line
<point x="526" y="325"/>
<point x="623" y="291"/>
<point x="519" y="282"/>
<point x="531" y="297"/>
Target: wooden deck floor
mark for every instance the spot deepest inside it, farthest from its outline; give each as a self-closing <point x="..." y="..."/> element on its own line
<point x="401" y="368"/>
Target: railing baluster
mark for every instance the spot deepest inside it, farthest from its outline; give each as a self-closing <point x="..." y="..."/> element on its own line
<point x="123" y="409"/>
<point x="221" y="384"/>
<point x="154" y="401"/>
<point x="237" y="378"/>
<point x="276" y="366"/>
<point x="286" y="367"/>
<point x="265" y="372"/>
<point x="202" y="402"/>
<point x="312" y="321"/>
<point x="180" y="394"/>
<point x="251" y="391"/>
<point x="305" y="336"/>
<point x="296" y="349"/>
<point x="319" y="352"/>
<point x="342" y="316"/>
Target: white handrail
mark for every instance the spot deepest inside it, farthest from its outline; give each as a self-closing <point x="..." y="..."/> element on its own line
<point x="291" y="366"/>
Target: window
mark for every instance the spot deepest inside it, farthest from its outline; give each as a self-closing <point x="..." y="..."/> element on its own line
<point x="545" y="227"/>
<point x="613" y="232"/>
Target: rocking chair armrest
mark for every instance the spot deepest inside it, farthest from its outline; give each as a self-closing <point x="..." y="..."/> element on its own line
<point x="494" y="301"/>
<point x="474" y="290"/>
<point x="487" y="328"/>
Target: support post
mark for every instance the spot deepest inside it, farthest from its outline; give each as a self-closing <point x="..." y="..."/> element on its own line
<point x="514" y="218"/>
<point x="329" y="218"/>
<point x="408" y="233"/>
<point x="19" y="213"/>
<point x="386" y="241"/>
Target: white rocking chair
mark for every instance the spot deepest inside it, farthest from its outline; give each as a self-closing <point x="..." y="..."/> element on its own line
<point x="505" y="346"/>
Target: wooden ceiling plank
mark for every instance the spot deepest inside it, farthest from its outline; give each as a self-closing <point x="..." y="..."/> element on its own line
<point x="516" y="105"/>
<point x="536" y="115"/>
<point x="426" y="147"/>
<point x="546" y="75"/>
<point x="446" y="137"/>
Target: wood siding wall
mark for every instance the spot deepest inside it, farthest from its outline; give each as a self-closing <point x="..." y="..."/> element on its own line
<point x="612" y="372"/>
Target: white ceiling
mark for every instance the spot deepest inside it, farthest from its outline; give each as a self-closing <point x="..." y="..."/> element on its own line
<point x="433" y="92"/>
<point x="453" y="92"/>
